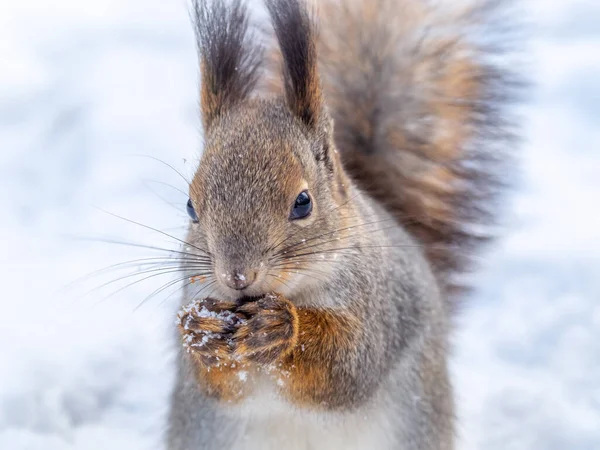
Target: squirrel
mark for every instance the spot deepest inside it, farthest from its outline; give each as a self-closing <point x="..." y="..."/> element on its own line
<point x="348" y="175"/>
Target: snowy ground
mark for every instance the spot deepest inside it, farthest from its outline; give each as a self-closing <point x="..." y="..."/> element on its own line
<point x="85" y="88"/>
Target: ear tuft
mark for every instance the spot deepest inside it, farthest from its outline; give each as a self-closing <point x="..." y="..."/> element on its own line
<point x="229" y="63"/>
<point x="296" y="34"/>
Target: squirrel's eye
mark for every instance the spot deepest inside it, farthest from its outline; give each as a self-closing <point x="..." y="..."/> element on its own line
<point x="191" y="211"/>
<point x="302" y="206"/>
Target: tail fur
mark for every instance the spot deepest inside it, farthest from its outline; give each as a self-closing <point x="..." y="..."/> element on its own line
<point x="419" y="91"/>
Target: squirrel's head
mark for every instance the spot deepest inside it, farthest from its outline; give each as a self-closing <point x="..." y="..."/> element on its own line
<point x="268" y="192"/>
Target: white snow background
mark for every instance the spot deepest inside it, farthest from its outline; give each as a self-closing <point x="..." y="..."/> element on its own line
<point x="88" y="87"/>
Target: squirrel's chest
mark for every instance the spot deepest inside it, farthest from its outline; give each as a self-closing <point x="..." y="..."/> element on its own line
<point x="267" y="421"/>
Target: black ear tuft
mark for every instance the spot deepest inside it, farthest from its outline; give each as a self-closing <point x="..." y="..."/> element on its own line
<point x="229" y="63"/>
<point x="296" y="34"/>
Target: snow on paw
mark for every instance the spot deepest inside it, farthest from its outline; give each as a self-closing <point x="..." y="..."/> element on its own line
<point x="207" y="327"/>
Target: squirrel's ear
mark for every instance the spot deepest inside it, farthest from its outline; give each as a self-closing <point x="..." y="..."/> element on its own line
<point x="229" y="63"/>
<point x="296" y="34"/>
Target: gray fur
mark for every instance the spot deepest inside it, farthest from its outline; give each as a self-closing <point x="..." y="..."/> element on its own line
<point x="391" y="389"/>
<point x="399" y="369"/>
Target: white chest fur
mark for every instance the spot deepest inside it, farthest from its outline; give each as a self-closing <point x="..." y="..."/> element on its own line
<point x="268" y="422"/>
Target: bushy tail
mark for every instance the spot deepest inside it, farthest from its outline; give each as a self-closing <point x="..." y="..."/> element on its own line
<point x="419" y="94"/>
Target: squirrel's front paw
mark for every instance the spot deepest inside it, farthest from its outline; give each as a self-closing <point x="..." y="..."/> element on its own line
<point x="269" y="332"/>
<point x="207" y="328"/>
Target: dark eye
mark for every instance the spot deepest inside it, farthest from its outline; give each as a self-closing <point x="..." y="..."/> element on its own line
<point x="302" y="206"/>
<point x="191" y="211"/>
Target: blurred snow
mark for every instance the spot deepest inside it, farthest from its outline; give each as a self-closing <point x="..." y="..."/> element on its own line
<point x="88" y="87"/>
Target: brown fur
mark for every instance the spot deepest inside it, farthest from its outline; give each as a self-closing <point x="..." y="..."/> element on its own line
<point x="325" y="337"/>
<point x="222" y="382"/>
<point x="296" y="37"/>
<point x="391" y="121"/>
<point x="229" y="61"/>
<point x="420" y="119"/>
<point x="274" y="332"/>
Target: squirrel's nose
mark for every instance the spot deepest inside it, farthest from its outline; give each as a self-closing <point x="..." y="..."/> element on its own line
<point x="239" y="279"/>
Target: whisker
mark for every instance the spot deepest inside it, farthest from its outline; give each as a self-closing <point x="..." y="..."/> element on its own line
<point x="168" y="285"/>
<point x="155" y="230"/>
<point x="112" y="294"/>
<point x="284" y="255"/>
<point x="137" y="245"/>
<point x="166" y="164"/>
<point x="341" y="250"/>
<point x="339" y="238"/>
<point x="164" y="200"/>
<point x="179" y="289"/>
<point x="336" y="250"/>
<point x="168" y="185"/>
<point x="271" y="287"/>
<point x="279" y="279"/>
<point x="154" y="273"/>
<point x="159" y="290"/>
<point x="203" y="288"/>
<point x="295" y="272"/>
<point x="290" y="256"/>
<point x="134" y="263"/>
<point x="297" y="265"/>
<point x="289" y="247"/>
